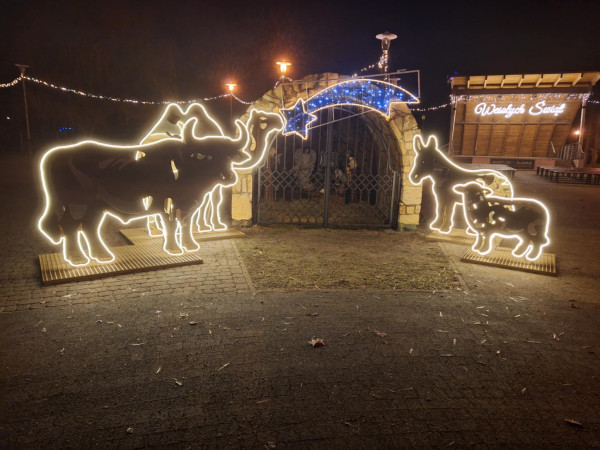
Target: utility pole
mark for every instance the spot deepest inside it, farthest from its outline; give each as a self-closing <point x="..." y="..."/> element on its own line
<point x="22" y="68"/>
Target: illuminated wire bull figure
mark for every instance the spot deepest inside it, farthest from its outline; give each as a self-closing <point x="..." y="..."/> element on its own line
<point x="168" y="179"/>
<point x="170" y="124"/>
<point x="428" y="157"/>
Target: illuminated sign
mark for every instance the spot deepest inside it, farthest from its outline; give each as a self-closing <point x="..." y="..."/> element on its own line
<point x="177" y="179"/>
<point x="367" y="93"/>
<point x="487" y="216"/>
<point x="483" y="109"/>
<point x="525" y="219"/>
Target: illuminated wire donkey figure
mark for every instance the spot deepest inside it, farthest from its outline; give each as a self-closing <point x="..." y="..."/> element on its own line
<point x="169" y="178"/>
<point x="524" y="219"/>
<point x="429" y="156"/>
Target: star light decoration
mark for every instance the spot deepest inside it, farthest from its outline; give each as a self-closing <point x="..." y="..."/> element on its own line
<point x="372" y="94"/>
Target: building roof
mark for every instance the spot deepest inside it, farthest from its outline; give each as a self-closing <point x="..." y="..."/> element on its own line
<point x="563" y="82"/>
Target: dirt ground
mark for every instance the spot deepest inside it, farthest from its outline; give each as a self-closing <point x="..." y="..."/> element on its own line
<point x="285" y="257"/>
<point x="296" y="258"/>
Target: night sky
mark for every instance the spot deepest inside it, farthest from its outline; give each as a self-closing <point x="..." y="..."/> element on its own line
<point x="148" y="50"/>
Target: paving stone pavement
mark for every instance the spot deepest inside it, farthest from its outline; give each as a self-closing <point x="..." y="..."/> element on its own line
<point x="404" y="370"/>
<point x="190" y="357"/>
<point x="20" y="276"/>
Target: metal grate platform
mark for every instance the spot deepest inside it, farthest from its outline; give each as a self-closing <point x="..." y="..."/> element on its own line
<point x="456" y="236"/>
<point x="145" y="254"/>
<point x="502" y="257"/>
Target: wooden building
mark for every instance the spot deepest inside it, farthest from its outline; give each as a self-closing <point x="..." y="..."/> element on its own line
<point x="517" y="119"/>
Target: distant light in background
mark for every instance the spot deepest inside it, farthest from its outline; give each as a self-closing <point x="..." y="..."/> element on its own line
<point x="577" y="132"/>
<point x="231" y="86"/>
<point x="386" y="40"/>
<point x="283" y="65"/>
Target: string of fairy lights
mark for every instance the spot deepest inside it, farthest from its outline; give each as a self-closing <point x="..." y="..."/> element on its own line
<point x="204" y="99"/>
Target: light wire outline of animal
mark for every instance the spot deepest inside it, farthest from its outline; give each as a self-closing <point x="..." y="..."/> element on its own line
<point x="81" y="236"/>
<point x="433" y="182"/>
<point x="491" y="238"/>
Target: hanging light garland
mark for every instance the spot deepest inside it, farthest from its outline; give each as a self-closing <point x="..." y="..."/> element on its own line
<point x="459" y="98"/>
<point x="431" y="108"/>
<point x="12" y="83"/>
<point x="240" y="100"/>
<point x="522" y="97"/>
<point x="113" y="99"/>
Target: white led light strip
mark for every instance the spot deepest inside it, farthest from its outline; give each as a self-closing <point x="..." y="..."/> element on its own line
<point x="206" y="214"/>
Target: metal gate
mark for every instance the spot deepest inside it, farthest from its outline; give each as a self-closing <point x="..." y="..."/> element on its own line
<point x="340" y="176"/>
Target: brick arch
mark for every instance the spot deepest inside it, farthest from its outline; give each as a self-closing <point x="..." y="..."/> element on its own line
<point x="401" y="128"/>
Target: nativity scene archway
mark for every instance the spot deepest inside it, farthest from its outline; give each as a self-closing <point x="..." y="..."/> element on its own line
<point x="351" y="170"/>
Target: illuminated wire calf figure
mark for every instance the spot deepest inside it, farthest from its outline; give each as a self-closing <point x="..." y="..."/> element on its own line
<point x="169" y="179"/>
<point x="428" y="157"/>
<point x="524" y="219"/>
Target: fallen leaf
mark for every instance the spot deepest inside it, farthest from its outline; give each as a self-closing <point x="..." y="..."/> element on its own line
<point x="159" y="369"/>
<point x="380" y="333"/>
<point x="193" y="323"/>
<point x="130" y="430"/>
<point x="223" y="366"/>
<point x="177" y="382"/>
<point x="317" y="342"/>
<point x="574" y="422"/>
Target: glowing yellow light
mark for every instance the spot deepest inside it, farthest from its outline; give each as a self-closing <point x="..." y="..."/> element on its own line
<point x="577" y="132"/>
<point x="208" y="217"/>
<point x="283" y="65"/>
<point x="524" y="223"/>
<point x="231" y="86"/>
<point x="209" y="206"/>
<point x="442" y="206"/>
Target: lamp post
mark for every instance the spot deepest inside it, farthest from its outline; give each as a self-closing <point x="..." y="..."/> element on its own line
<point x="386" y="40"/>
<point x="231" y="87"/>
<point x="283" y="65"/>
<point x="22" y="68"/>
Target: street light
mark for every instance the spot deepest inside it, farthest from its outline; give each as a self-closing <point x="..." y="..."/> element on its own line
<point x="283" y="65"/>
<point x="386" y="40"/>
<point x="231" y="87"/>
<point x="22" y="68"/>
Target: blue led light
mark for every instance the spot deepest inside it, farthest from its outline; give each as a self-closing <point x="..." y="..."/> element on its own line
<point x="373" y="94"/>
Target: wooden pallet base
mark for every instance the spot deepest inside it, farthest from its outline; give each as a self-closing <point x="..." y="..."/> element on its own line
<point x="456" y="236"/>
<point x="502" y="257"/>
<point x="145" y="254"/>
